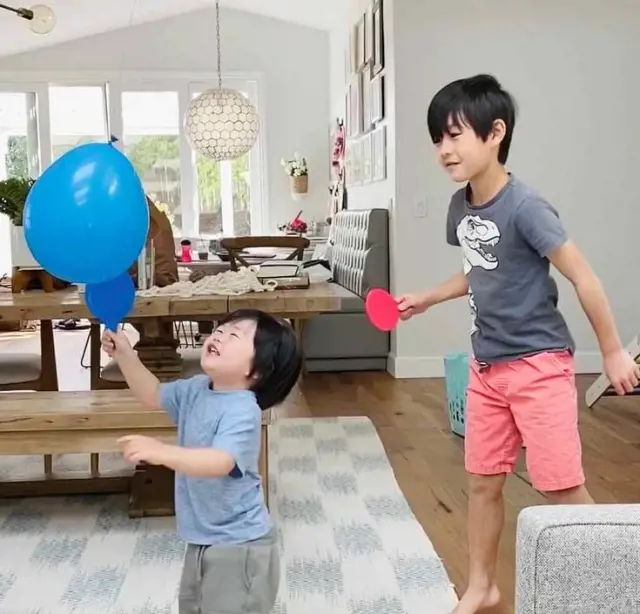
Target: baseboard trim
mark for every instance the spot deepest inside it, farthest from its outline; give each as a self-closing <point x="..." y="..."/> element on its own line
<point x="410" y="367"/>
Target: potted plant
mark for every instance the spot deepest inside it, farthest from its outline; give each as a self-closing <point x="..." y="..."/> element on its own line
<point x="297" y="226"/>
<point x="298" y="172"/>
<point x="13" y="196"/>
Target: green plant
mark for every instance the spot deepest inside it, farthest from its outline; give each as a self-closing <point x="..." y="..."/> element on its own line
<point x="13" y="196"/>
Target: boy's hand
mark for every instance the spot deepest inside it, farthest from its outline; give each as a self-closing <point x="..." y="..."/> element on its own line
<point x="137" y="449"/>
<point x="115" y="344"/>
<point x="622" y="371"/>
<point x="410" y="305"/>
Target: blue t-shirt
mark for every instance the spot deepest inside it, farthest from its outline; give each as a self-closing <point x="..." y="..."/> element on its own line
<point x="223" y="510"/>
<point x="505" y="247"/>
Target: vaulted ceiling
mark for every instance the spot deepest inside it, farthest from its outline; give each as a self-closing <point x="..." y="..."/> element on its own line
<point x="80" y="18"/>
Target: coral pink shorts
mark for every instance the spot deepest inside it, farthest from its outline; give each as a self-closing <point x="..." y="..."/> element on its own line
<point x="531" y="400"/>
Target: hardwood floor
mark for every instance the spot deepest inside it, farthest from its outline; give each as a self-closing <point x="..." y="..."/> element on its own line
<point x="427" y="458"/>
<point x="411" y="419"/>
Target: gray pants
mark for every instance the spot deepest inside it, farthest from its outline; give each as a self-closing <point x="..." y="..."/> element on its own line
<point x="236" y="579"/>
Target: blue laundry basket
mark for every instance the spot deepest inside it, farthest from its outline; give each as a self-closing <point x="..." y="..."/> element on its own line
<point x="456" y="372"/>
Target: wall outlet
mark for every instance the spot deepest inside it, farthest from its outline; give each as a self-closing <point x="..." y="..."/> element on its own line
<point x="420" y="209"/>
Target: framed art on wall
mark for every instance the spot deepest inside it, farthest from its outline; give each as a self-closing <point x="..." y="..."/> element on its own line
<point x="378" y="37"/>
<point x="354" y="122"/>
<point x="361" y="41"/>
<point x="353" y="50"/>
<point x="367" y="101"/>
<point x="376" y="99"/>
<point x="367" y="162"/>
<point x="379" y="153"/>
<point x="348" y="163"/>
<point x="356" y="170"/>
<point x="369" y="38"/>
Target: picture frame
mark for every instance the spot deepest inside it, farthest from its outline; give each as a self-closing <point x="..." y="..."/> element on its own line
<point x="354" y="124"/>
<point x="369" y="36"/>
<point x="378" y="37"/>
<point x="379" y="154"/>
<point x="348" y="162"/>
<point x="361" y="41"/>
<point x="376" y="99"/>
<point x="357" y="162"/>
<point x="353" y="51"/>
<point x="366" y="159"/>
<point x="367" y="99"/>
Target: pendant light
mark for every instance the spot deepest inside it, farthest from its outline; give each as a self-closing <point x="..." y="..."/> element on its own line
<point x="221" y="123"/>
<point x="41" y="18"/>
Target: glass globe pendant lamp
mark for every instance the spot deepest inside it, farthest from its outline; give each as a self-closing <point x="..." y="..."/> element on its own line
<point x="221" y="123"/>
<point x="41" y="18"/>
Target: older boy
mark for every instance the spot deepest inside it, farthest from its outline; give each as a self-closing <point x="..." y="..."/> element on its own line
<point x="522" y="386"/>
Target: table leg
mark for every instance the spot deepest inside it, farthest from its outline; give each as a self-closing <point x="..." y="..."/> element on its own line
<point x="48" y="366"/>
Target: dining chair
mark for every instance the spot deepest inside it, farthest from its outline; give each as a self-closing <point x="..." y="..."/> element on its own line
<point x="235" y="245"/>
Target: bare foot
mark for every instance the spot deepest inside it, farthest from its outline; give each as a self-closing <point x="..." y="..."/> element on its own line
<point x="476" y="600"/>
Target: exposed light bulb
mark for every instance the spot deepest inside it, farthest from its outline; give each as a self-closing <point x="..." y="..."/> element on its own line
<point x="44" y="19"/>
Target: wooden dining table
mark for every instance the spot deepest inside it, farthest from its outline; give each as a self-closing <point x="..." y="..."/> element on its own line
<point x="153" y="316"/>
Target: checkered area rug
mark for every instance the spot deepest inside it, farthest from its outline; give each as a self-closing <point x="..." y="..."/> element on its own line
<point x="349" y="542"/>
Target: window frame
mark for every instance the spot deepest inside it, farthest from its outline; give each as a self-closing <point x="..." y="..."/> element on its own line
<point x="42" y="121"/>
<point x="114" y="83"/>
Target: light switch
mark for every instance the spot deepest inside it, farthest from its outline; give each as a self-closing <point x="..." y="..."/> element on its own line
<point x="421" y="208"/>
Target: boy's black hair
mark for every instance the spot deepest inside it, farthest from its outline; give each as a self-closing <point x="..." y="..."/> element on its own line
<point x="278" y="357"/>
<point x="476" y="102"/>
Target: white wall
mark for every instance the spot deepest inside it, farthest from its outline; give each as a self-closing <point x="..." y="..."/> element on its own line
<point x="572" y="67"/>
<point x="293" y="61"/>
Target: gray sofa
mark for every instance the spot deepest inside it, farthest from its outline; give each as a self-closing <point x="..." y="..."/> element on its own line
<point x="578" y="560"/>
<point x="359" y="255"/>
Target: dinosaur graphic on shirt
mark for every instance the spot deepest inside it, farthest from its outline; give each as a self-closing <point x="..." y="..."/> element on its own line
<point x="476" y="236"/>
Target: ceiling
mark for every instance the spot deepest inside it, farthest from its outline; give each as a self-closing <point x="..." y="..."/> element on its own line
<point x="80" y="18"/>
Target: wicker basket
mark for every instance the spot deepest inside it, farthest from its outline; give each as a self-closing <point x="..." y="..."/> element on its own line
<point x="300" y="185"/>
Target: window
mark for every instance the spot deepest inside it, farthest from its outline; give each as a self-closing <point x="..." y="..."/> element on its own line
<point x="18" y="135"/>
<point x="18" y="152"/>
<point x="78" y="116"/>
<point x="145" y="111"/>
<point x="151" y="138"/>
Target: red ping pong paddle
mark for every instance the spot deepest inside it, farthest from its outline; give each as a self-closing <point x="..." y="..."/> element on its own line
<point x="381" y="309"/>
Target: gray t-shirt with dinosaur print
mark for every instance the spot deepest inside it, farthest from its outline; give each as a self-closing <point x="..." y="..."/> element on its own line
<point x="514" y="300"/>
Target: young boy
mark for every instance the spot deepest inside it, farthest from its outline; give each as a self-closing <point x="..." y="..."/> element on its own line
<point x="521" y="386"/>
<point x="251" y="362"/>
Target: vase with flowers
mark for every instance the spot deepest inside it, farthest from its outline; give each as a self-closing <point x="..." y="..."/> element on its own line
<point x="297" y="226"/>
<point x="298" y="172"/>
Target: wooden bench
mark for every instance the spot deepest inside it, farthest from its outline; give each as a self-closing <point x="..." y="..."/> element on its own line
<point x="90" y="422"/>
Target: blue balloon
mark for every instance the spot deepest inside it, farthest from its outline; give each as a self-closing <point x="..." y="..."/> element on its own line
<point x="86" y="218"/>
<point x="111" y="301"/>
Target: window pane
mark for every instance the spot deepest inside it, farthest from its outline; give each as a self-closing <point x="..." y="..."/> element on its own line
<point x="78" y="116"/>
<point x="151" y="123"/>
<point x="18" y="135"/>
<point x="19" y="155"/>
<point x="241" y="175"/>
<point x="209" y="197"/>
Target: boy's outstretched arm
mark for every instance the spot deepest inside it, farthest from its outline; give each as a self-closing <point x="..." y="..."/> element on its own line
<point x="144" y="385"/>
<point x="619" y="366"/>
<point x="412" y="304"/>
